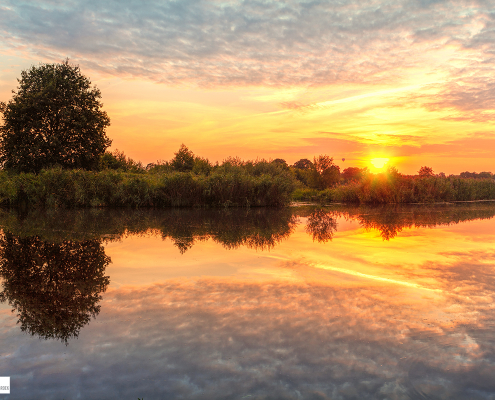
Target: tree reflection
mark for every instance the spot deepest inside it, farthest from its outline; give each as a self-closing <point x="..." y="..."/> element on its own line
<point x="55" y="287"/>
<point x="390" y="220"/>
<point x="321" y="225"/>
<point x="255" y="228"/>
<point x="259" y="229"/>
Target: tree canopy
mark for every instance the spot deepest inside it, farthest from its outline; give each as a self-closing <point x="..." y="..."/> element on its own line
<point x="303" y="163"/>
<point x="54" y="118"/>
<point x="325" y="172"/>
<point x="425" y="171"/>
<point x="353" y="173"/>
<point x="183" y="160"/>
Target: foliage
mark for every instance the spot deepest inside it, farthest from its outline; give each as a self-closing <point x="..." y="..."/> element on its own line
<point x="201" y="166"/>
<point x="183" y="160"/>
<point x="324" y="173"/>
<point x="54" y="118"/>
<point x="305" y="194"/>
<point x="281" y="162"/>
<point x="353" y="174"/>
<point x="393" y="187"/>
<point x="320" y="174"/>
<point x="257" y="184"/>
<point x="481" y="175"/>
<point x="303" y="163"/>
<point x="160" y="167"/>
<point x="425" y="171"/>
<point x="119" y="161"/>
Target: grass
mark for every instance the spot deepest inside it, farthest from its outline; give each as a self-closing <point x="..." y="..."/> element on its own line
<point x="233" y="184"/>
<point x="399" y="189"/>
<point x="223" y="187"/>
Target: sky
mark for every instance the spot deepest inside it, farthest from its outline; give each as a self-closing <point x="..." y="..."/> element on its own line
<point x="407" y="80"/>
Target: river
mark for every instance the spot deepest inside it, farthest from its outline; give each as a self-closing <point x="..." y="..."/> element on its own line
<point x="298" y="303"/>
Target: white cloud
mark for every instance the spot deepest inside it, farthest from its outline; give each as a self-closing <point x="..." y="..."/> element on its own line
<point x="275" y="43"/>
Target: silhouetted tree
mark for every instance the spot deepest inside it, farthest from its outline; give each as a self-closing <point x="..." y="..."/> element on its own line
<point x="183" y="160"/>
<point x="281" y="162"/>
<point x="425" y="171"/>
<point x="467" y="174"/>
<point x="119" y="161"/>
<point x="303" y="163"/>
<point x="54" y="118"/>
<point x="481" y="175"/>
<point x="201" y="166"/>
<point x="54" y="287"/>
<point x="325" y="173"/>
<point x="352" y="174"/>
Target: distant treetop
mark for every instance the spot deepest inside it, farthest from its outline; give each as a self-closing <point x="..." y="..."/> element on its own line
<point x="303" y="163"/>
<point x="183" y="160"/>
<point x="425" y="171"/>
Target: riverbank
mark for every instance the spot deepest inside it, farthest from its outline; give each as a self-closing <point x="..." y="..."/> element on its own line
<point x="78" y="188"/>
<point x="265" y="184"/>
<point x="398" y="189"/>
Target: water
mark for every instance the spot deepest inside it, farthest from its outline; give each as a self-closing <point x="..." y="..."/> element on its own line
<point x="299" y="303"/>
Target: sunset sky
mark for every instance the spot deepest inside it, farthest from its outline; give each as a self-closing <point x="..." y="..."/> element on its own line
<point x="408" y="80"/>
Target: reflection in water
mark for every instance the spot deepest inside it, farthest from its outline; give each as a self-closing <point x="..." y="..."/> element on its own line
<point x="408" y="318"/>
<point x="260" y="228"/>
<point x="321" y="225"/>
<point x="214" y="339"/>
<point x="391" y="220"/>
<point x="54" y="287"/>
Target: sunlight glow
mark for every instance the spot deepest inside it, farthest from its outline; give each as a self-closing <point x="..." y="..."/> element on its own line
<point x="379" y="162"/>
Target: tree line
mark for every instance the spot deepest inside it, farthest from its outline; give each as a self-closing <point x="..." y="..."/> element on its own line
<point x="55" y="122"/>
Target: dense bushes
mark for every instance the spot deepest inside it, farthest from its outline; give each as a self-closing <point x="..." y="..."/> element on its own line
<point x="233" y="183"/>
<point x="185" y="181"/>
<point x="264" y="185"/>
<point x="191" y="181"/>
<point x="393" y="187"/>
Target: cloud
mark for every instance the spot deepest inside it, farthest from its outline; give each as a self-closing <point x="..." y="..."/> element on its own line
<point x="468" y="96"/>
<point x="248" y="42"/>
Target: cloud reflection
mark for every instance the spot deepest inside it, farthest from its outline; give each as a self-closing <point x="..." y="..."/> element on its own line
<point x="221" y="339"/>
<point x="322" y="337"/>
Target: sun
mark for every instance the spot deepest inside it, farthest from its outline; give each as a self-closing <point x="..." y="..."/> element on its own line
<point x="379" y="163"/>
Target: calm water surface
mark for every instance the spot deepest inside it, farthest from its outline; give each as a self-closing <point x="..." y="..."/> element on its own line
<point x="300" y="303"/>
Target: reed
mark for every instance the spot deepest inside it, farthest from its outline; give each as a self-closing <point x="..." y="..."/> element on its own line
<point x="225" y="186"/>
<point x="398" y="189"/>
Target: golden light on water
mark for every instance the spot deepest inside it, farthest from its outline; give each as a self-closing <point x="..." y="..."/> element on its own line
<point x="379" y="163"/>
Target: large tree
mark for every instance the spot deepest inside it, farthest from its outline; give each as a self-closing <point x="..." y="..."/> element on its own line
<point x="324" y="173"/>
<point x="54" y="118"/>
